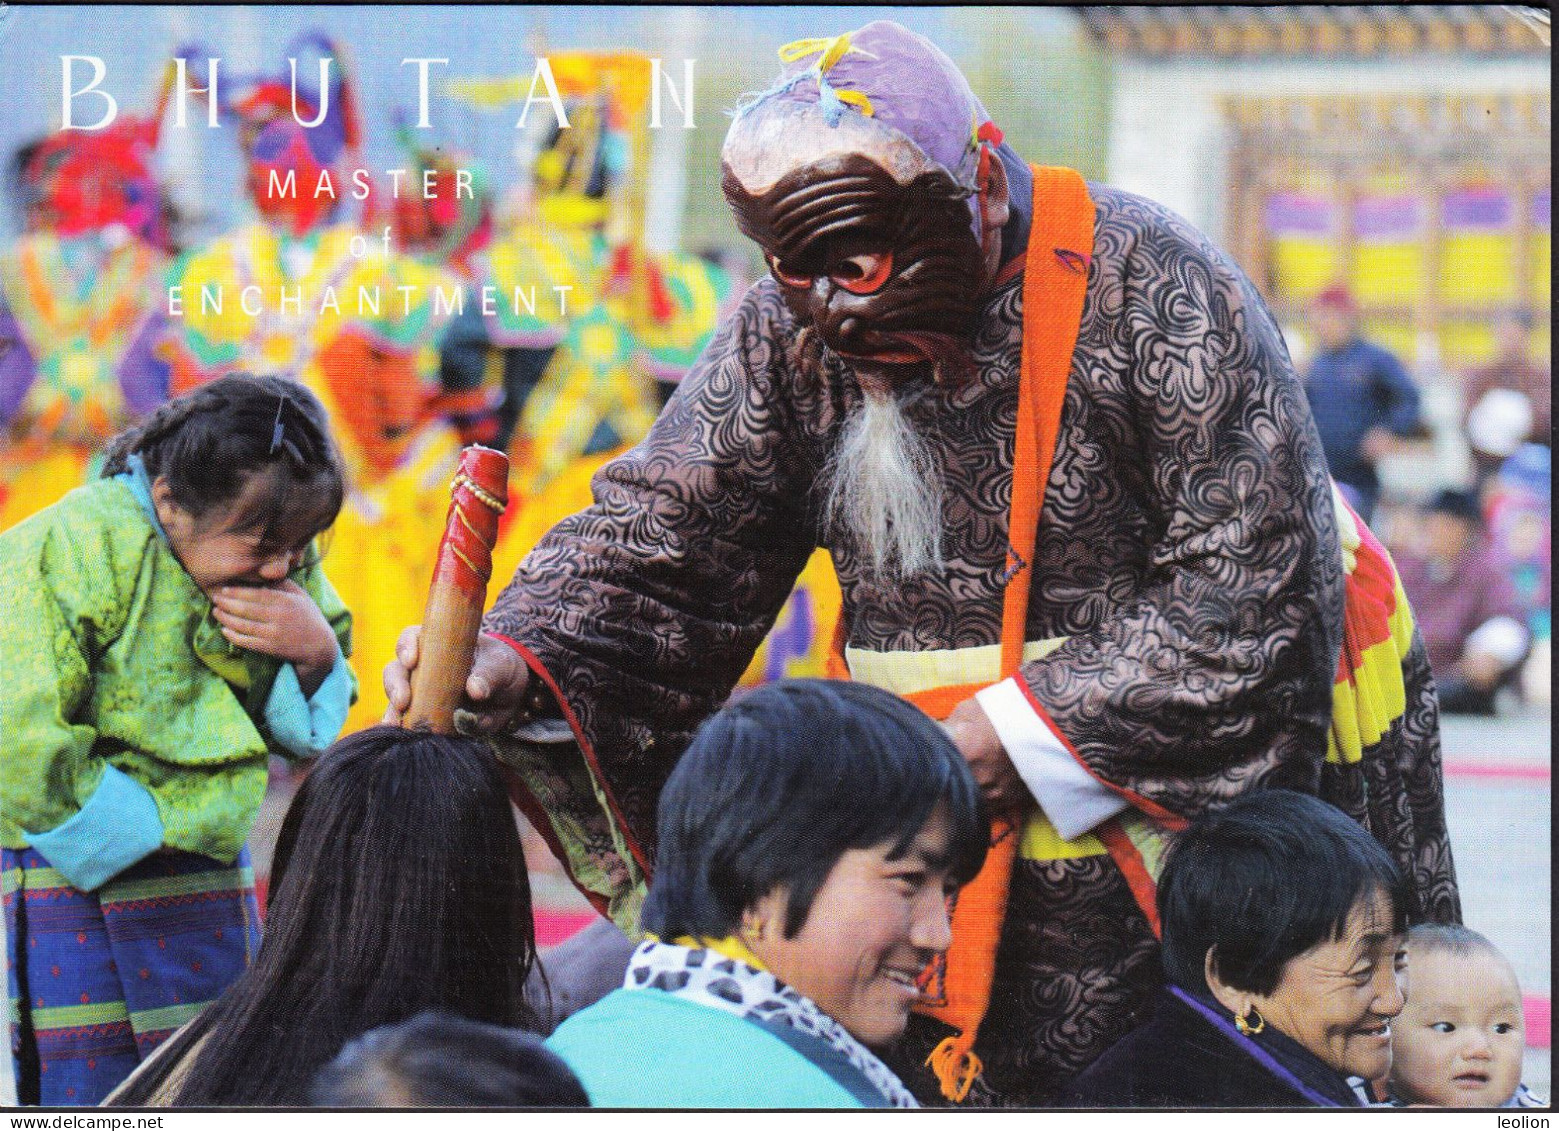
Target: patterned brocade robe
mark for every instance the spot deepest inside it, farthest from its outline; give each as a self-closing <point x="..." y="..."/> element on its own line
<point x="1187" y="553"/>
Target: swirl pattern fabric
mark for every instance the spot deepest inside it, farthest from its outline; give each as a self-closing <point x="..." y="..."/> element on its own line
<point x="1189" y="553"/>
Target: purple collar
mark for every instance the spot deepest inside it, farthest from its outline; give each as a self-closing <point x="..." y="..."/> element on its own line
<point x="1254" y="1050"/>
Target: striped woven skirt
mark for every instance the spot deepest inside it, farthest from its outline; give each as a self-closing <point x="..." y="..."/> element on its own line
<point x="98" y="980"/>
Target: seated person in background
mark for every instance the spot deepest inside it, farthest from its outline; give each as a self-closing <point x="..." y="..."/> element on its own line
<point x="809" y="839"/>
<point x="438" y="1060"/>
<point x="1509" y="401"/>
<point x="398" y="885"/>
<point x="1518" y="507"/>
<point x="1460" y="1040"/>
<point x="1282" y="944"/>
<point x="1464" y="602"/>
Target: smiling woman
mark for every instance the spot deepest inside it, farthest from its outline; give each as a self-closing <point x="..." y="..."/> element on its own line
<point x="791" y="915"/>
<point x="1283" y="926"/>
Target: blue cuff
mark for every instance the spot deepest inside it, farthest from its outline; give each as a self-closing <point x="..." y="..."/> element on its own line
<point x="304" y="727"/>
<point x="117" y="827"/>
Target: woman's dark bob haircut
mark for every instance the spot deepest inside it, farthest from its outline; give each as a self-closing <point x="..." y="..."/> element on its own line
<point x="780" y="784"/>
<point x="1262" y="880"/>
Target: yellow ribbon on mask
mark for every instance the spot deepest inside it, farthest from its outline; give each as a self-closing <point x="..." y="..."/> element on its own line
<point x="832" y="49"/>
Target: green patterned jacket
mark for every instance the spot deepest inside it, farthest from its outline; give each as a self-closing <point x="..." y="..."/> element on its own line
<point x="119" y="684"/>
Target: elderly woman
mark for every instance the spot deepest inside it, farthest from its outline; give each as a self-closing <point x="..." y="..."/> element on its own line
<point x="809" y="840"/>
<point x="1283" y="927"/>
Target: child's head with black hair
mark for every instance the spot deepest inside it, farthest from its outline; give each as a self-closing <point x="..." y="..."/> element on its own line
<point x="1461" y="1037"/>
<point x="243" y="472"/>
<point x="439" y="1060"/>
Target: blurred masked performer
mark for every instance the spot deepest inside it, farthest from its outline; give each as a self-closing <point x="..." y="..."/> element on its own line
<point x="355" y="324"/>
<point x="592" y="329"/>
<point x="446" y="229"/>
<point x="582" y="380"/>
<point x="80" y="307"/>
<point x="1077" y="505"/>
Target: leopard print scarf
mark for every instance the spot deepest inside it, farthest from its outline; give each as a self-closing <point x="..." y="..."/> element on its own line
<point x="714" y="980"/>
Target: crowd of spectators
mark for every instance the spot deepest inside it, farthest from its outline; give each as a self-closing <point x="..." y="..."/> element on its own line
<point x="789" y="926"/>
<point x="1474" y="556"/>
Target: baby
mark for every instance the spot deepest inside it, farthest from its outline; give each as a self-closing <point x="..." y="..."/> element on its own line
<point x="1460" y="1039"/>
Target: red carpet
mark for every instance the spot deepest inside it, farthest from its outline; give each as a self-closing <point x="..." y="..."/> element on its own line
<point x="552" y="927"/>
<point x="1540" y="1020"/>
<point x="1510" y="771"/>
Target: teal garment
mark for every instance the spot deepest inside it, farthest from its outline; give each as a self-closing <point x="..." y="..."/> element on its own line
<point x="645" y="1048"/>
<point x="112" y="659"/>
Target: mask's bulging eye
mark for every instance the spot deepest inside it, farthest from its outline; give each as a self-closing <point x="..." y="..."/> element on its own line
<point x="865" y="273"/>
<point x="788" y="275"/>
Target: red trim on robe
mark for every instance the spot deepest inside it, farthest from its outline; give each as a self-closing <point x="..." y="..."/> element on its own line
<point x="1156" y="811"/>
<point x="1129" y="860"/>
<point x="585" y="748"/>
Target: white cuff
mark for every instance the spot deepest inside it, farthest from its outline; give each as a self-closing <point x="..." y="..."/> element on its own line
<point x="1068" y="794"/>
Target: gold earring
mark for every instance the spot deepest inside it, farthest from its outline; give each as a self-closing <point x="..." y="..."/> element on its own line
<point x="1246" y="1027"/>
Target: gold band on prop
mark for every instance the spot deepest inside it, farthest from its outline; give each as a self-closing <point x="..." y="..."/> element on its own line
<point x="452" y="619"/>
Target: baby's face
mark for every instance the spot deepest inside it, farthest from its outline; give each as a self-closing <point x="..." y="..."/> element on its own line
<point x="1460" y="1038"/>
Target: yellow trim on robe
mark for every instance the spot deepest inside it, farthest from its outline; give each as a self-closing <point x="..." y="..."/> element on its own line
<point x="730" y="946"/>
<point x="1040" y="841"/>
<point x="1363" y="710"/>
<point x="905" y="673"/>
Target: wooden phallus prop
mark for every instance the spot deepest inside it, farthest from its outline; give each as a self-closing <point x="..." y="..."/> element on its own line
<point x="452" y="619"/>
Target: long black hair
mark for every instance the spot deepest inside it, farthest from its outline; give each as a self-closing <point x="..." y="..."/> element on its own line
<point x="778" y="786"/>
<point x="210" y="443"/>
<point x="398" y="885"/>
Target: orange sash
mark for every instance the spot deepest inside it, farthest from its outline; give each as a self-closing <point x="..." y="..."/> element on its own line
<point x="958" y="985"/>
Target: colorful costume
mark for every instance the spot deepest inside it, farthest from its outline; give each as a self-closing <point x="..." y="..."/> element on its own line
<point x="445" y="232"/>
<point x="585" y="319"/>
<point x="135" y="755"/>
<point x="602" y="374"/>
<point x="1185" y="606"/>
<point x="291" y="296"/>
<point x="80" y="311"/>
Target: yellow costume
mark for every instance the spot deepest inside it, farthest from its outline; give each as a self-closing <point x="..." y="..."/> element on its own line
<point x="359" y="332"/>
<point x="81" y="313"/>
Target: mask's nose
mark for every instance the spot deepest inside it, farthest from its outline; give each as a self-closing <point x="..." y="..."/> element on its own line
<point x="841" y="329"/>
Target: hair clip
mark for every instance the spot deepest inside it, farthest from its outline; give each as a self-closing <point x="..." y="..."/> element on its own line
<point x="277" y="428"/>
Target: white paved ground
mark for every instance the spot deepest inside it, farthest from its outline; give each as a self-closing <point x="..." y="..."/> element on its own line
<point x="1501" y="828"/>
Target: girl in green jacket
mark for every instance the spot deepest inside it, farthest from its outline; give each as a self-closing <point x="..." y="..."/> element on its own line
<point x="163" y="631"/>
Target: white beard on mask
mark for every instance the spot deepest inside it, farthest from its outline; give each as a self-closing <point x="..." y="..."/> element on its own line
<point x="884" y="492"/>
